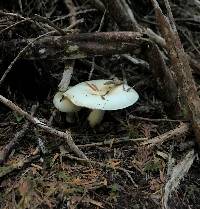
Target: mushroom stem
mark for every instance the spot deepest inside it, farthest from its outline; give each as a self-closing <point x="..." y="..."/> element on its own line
<point x="95" y="117"/>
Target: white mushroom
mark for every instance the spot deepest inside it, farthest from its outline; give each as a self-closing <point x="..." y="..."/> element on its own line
<point x="101" y="95"/>
<point x="63" y="104"/>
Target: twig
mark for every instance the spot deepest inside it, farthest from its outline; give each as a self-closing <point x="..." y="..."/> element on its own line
<point x="74" y="24"/>
<point x="177" y="132"/>
<point x="181" y="130"/>
<point x="66" y="77"/>
<point x="13" y="25"/>
<point x="22" y="52"/>
<point x="12" y="14"/>
<point x="45" y="20"/>
<point x="128" y="175"/>
<point x="93" y="58"/>
<point x="136" y="61"/>
<point x="69" y="65"/>
<point x="113" y="141"/>
<point x="122" y="14"/>
<point x="73" y="46"/>
<point x="98" y="4"/>
<point x="70" y="5"/>
<point x="19" y="55"/>
<point x="166" y="84"/>
<point x="132" y="117"/>
<point x="7" y="149"/>
<point x="190" y="101"/>
<point x="170" y="15"/>
<point x="72" y="14"/>
<point x="98" y="68"/>
<point x="67" y="136"/>
<point x="178" y="173"/>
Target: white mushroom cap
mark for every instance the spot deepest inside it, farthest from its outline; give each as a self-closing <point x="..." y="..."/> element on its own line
<point x="102" y="95"/>
<point x="63" y="104"/>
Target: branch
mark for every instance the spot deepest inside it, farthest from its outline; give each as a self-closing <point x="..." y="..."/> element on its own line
<point x="189" y="98"/>
<point x="181" y="130"/>
<point x="7" y="149"/>
<point x="122" y="14"/>
<point x="74" y="46"/>
<point x="67" y="135"/>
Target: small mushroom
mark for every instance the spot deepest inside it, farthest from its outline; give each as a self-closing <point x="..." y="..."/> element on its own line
<point x="101" y="95"/>
<point x="63" y="104"/>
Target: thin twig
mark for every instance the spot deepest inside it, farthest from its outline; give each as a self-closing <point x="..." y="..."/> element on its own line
<point x="13" y="25"/>
<point x="93" y="58"/>
<point x="67" y="135"/>
<point x="7" y="149"/>
<point x="20" y="54"/>
<point x="112" y="141"/>
<point x="132" y="117"/>
<point x="45" y="20"/>
<point x="181" y="130"/>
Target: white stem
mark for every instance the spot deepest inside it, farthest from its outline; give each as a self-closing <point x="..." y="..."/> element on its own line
<point x="95" y="117"/>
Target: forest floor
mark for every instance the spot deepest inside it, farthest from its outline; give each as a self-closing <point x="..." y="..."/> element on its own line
<point x="144" y="156"/>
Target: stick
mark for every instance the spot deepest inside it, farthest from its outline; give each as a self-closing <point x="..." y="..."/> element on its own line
<point x="122" y="14"/>
<point x="67" y="136"/>
<point x="189" y="98"/>
<point x="7" y="149"/>
<point x="25" y="50"/>
<point x="181" y="130"/>
<point x="112" y="141"/>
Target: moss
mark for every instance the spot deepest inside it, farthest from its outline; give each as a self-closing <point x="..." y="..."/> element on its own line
<point x="74" y="52"/>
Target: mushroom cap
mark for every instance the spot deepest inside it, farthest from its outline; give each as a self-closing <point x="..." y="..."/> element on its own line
<point x="102" y="95"/>
<point x="63" y="104"/>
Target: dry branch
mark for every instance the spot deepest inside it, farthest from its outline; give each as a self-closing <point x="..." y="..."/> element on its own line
<point x="166" y="85"/>
<point x="190" y="101"/>
<point x="180" y="131"/>
<point x="74" y="46"/>
<point x="7" y="149"/>
<point x="67" y="135"/>
<point x="122" y="14"/>
<point x="178" y="173"/>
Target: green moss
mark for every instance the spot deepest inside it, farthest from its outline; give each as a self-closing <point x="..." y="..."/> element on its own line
<point x="63" y="176"/>
<point x="152" y="166"/>
<point x="74" y="52"/>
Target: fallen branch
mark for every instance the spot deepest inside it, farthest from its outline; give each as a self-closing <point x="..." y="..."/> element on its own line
<point x="177" y="174"/>
<point x="122" y="14"/>
<point x="112" y="141"/>
<point x="133" y="117"/>
<point x="181" y="130"/>
<point x="7" y="149"/>
<point x="189" y="98"/>
<point x="166" y="84"/>
<point x="74" y="45"/>
<point x="67" y="135"/>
